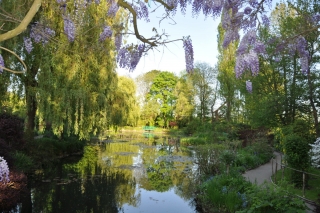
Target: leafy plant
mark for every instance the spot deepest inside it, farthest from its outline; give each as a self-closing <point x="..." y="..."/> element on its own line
<point x="22" y="162"/>
<point x="268" y="198"/>
<point x="297" y="156"/>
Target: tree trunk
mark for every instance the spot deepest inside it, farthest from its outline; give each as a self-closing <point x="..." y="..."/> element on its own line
<point x="312" y="104"/>
<point x="31" y="101"/>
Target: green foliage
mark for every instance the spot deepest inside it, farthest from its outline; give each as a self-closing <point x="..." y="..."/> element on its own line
<point x="11" y="130"/>
<point x="162" y="90"/>
<point x="253" y="156"/>
<point x="268" y="198"/>
<point x="297" y="156"/>
<point x="208" y="158"/>
<point x="225" y="193"/>
<point x="45" y="151"/>
<point x="22" y="162"/>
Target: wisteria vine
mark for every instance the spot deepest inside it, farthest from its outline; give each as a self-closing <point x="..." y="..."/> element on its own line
<point x="237" y="15"/>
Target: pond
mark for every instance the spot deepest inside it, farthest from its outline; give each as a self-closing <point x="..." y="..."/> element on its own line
<point x="128" y="174"/>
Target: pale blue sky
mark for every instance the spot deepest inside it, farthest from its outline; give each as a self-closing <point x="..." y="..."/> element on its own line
<point x="203" y="33"/>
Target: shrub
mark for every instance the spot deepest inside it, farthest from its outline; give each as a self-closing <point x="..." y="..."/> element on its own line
<point x="208" y="158"/>
<point x="225" y="193"/>
<point x="22" y="162"/>
<point x="297" y="156"/>
<point x="269" y="198"/>
<point x="11" y="130"/>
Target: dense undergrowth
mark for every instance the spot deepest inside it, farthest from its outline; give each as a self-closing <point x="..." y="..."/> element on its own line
<point x="24" y="157"/>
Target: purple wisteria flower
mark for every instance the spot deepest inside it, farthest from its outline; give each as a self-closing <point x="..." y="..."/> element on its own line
<point x="1" y="63"/>
<point x="40" y="33"/>
<point x="4" y="170"/>
<point x="247" y="10"/>
<point x="27" y="44"/>
<point x="106" y="33"/>
<point x="128" y="57"/>
<point x="118" y="41"/>
<point x="249" y="86"/>
<point x="247" y="61"/>
<point x="69" y="28"/>
<point x="265" y="20"/>
<point x="113" y="9"/>
<point x="143" y="12"/>
<point x="188" y="51"/>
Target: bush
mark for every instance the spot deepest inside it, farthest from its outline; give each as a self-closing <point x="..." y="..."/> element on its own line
<point x="208" y="158"/>
<point x="22" y="162"/>
<point x="11" y="131"/>
<point x="269" y="198"/>
<point x="297" y="156"/>
<point x="224" y="193"/>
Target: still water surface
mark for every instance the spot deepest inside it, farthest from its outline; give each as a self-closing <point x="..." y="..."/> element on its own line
<point x="126" y="175"/>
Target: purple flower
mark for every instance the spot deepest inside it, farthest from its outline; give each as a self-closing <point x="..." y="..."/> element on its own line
<point x="4" y="170"/>
<point x="247" y="10"/>
<point x="27" y="44"/>
<point x="40" y="33"/>
<point x="265" y="20"/>
<point x="1" y="63"/>
<point x="113" y="9"/>
<point x="304" y="62"/>
<point x="69" y="29"/>
<point x="107" y="33"/>
<point x="118" y="41"/>
<point x="249" y="86"/>
<point x="188" y="51"/>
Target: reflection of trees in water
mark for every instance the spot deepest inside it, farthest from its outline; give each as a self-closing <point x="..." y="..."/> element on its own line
<point x="94" y="194"/>
<point x="86" y="186"/>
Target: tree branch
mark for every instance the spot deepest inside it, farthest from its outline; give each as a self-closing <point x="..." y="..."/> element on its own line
<point x="24" y="23"/>
<point x="127" y="6"/>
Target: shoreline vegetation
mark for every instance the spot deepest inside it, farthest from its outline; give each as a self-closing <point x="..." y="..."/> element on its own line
<point x="221" y="157"/>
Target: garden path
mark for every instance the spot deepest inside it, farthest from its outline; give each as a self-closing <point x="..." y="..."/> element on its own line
<point x="263" y="174"/>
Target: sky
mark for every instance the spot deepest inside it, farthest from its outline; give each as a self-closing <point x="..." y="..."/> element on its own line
<point x="203" y="32"/>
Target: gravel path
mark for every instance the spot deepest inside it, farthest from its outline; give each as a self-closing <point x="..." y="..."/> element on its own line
<point x="264" y="172"/>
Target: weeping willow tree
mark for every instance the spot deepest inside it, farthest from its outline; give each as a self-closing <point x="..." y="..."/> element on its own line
<point x="68" y="84"/>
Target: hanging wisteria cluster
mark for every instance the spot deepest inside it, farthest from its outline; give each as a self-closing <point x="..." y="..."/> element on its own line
<point x="39" y="33"/>
<point x="4" y="170"/>
<point x="129" y="56"/>
<point x="188" y="52"/>
<point x="237" y="15"/>
<point x="1" y="63"/>
<point x="249" y="86"/>
<point x="106" y="33"/>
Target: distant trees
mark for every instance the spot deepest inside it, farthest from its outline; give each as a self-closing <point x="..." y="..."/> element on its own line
<point x="162" y="90"/>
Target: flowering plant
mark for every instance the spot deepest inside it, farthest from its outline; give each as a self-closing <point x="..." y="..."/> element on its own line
<point x="315" y="154"/>
<point x="4" y="170"/>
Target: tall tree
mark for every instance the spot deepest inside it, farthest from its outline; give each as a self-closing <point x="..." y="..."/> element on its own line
<point x="185" y="103"/>
<point x="162" y="90"/>
<point x="204" y="78"/>
<point x="226" y="74"/>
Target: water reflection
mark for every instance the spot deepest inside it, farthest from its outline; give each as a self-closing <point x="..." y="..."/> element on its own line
<point x="137" y="175"/>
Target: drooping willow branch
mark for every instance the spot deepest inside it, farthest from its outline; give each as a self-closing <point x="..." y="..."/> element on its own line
<point x="10" y="70"/>
<point x="24" y="23"/>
